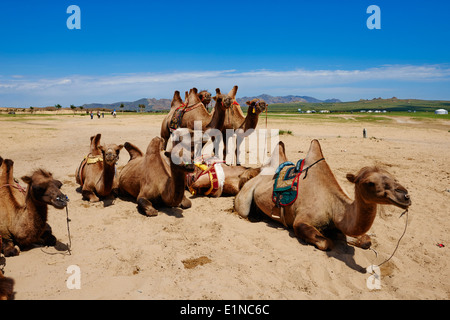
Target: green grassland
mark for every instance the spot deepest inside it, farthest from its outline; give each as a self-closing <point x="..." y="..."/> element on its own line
<point x="390" y="105"/>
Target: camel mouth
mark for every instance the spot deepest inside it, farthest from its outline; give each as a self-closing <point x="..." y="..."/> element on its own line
<point x="60" y="202"/>
<point x="401" y="204"/>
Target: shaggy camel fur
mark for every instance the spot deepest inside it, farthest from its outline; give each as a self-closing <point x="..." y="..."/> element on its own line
<point x="153" y="178"/>
<point x="97" y="172"/>
<point x="322" y="205"/>
<point x="23" y="217"/>
<point x="196" y="111"/>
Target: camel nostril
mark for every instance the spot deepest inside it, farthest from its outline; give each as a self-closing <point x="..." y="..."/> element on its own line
<point x="407" y="196"/>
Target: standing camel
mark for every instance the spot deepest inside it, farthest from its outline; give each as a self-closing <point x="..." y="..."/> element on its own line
<point x="23" y="216"/>
<point x="321" y="204"/>
<point x="97" y="172"/>
<point x="194" y="110"/>
<point x="153" y="178"/>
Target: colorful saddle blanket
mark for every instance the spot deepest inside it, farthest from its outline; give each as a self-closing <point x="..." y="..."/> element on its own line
<point x="177" y="117"/>
<point x="285" y="186"/>
<point x="212" y="168"/>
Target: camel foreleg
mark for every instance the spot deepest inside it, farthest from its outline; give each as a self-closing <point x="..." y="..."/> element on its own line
<point x="147" y="207"/>
<point x="9" y="249"/>
<point x="89" y="195"/>
<point x="362" y="241"/>
<point x="312" y="236"/>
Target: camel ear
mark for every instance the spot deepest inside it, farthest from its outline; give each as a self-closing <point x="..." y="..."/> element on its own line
<point x="167" y="154"/>
<point x="120" y="147"/>
<point x="101" y="148"/>
<point x="249" y="103"/>
<point x="27" y="179"/>
<point x="351" y="177"/>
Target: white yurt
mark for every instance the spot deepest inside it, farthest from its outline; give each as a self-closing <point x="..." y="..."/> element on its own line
<point x="441" y="111"/>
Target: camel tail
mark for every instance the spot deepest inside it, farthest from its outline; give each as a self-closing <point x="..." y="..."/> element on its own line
<point x="133" y="151"/>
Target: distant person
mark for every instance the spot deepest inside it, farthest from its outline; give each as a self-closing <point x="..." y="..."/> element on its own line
<point x="92" y="115"/>
<point x="364" y="133"/>
<point x="98" y="114"/>
<point x="114" y="113"/>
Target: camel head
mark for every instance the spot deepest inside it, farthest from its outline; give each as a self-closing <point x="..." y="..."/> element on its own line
<point x="45" y="189"/>
<point x="256" y="106"/>
<point x="205" y="97"/>
<point x="225" y="100"/>
<point x="378" y="186"/>
<point x="110" y="153"/>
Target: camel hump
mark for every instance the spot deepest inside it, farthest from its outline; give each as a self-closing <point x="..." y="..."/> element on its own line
<point x="193" y="97"/>
<point x="155" y="146"/>
<point x="315" y="151"/>
<point x="95" y="141"/>
<point x="232" y="93"/>
<point x="133" y="150"/>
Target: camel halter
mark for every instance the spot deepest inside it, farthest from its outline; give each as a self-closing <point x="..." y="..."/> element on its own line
<point x="396" y="247"/>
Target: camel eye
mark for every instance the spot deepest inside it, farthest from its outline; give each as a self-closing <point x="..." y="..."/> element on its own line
<point x="370" y="184"/>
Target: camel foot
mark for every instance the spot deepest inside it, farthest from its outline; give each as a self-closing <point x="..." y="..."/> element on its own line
<point x="146" y="207"/>
<point x="312" y="236"/>
<point x="185" y="203"/>
<point x="363" y="241"/>
<point x="10" y="250"/>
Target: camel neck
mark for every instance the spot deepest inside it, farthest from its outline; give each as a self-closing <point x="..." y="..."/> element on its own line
<point x="35" y="210"/>
<point x="217" y="118"/>
<point x="251" y="120"/>
<point x="356" y="217"/>
<point x="109" y="172"/>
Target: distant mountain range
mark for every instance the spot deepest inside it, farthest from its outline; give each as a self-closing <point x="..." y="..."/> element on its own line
<point x="164" y="104"/>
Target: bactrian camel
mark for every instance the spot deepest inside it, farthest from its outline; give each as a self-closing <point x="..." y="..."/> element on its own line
<point x="23" y="213"/>
<point x="153" y="178"/>
<point x="193" y="110"/>
<point x="97" y="174"/>
<point x="321" y="204"/>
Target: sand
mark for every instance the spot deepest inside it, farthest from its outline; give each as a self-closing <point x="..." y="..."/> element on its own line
<point x="207" y="251"/>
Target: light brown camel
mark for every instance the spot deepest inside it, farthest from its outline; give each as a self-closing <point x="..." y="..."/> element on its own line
<point x="242" y="125"/>
<point x="154" y="178"/>
<point x="97" y="172"/>
<point x="195" y="110"/>
<point x="214" y="178"/>
<point x="322" y="205"/>
<point x="23" y="218"/>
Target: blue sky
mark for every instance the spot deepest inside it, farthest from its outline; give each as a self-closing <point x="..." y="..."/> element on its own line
<point x="127" y="50"/>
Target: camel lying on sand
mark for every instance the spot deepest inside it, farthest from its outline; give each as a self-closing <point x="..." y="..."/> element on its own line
<point x="97" y="172"/>
<point x="214" y="178"/>
<point x="23" y="216"/>
<point x="321" y="204"/>
<point x="193" y="110"/>
<point x="153" y="178"/>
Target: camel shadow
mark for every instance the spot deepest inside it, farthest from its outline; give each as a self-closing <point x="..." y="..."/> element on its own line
<point x="341" y="250"/>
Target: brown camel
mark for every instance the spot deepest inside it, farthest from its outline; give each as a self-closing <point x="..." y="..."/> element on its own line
<point x="241" y="124"/>
<point x="194" y="110"/>
<point x="322" y="205"/>
<point x="214" y="178"/>
<point x="23" y="217"/>
<point x="97" y="172"/>
<point x="154" y="178"/>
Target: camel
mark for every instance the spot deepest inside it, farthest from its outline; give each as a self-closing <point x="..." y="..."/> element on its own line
<point x="23" y="217"/>
<point x="194" y="110"/>
<point x="154" y="178"/>
<point x="214" y="178"/>
<point x="242" y="125"/>
<point x="97" y="172"/>
<point x="321" y="204"/>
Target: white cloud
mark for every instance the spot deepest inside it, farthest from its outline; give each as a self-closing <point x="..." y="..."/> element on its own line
<point x="80" y="89"/>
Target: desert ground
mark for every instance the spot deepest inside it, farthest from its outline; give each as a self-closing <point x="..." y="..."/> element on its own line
<point x="208" y="251"/>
